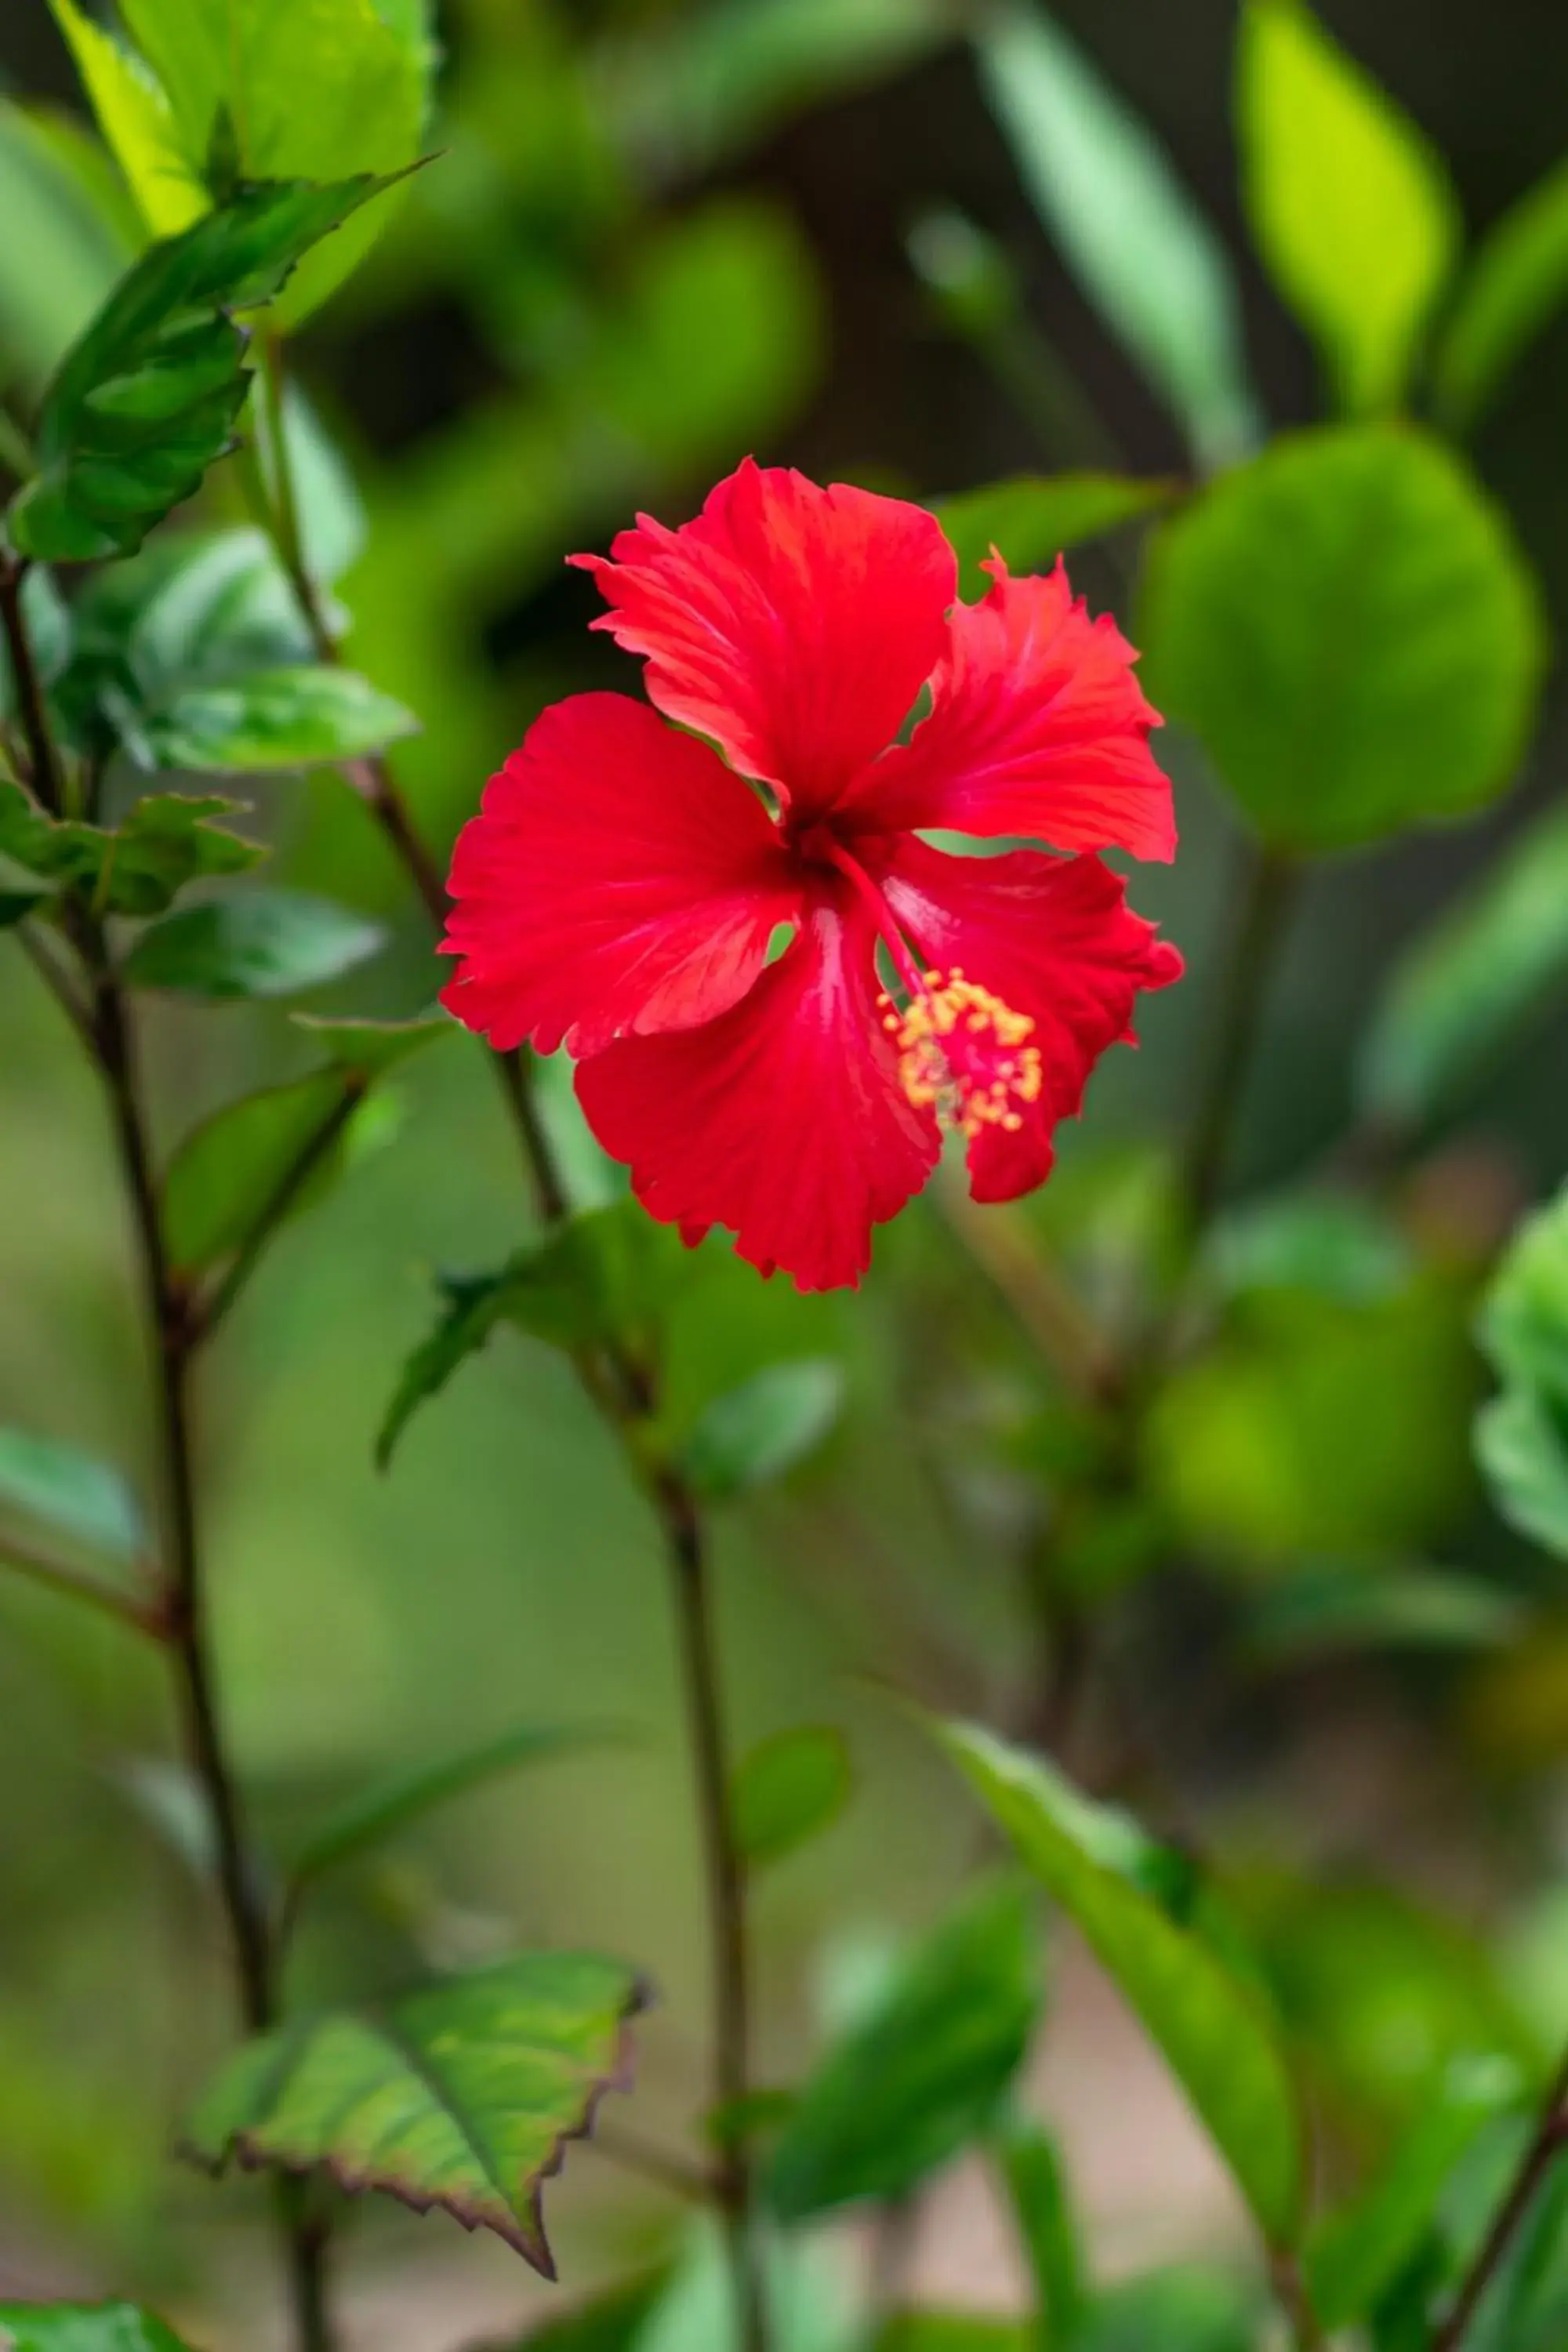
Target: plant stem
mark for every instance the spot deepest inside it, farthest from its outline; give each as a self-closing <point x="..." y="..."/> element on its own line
<point x="1290" y="2290"/>
<point x="140" y="1616"/>
<point x="1267" y="890"/>
<point x="1547" y="2142"/>
<point x="47" y="783"/>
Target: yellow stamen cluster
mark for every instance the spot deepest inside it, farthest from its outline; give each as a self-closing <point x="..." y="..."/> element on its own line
<point x="963" y="1052"/>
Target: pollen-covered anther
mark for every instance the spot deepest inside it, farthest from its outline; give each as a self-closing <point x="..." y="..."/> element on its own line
<point x="965" y="1053"/>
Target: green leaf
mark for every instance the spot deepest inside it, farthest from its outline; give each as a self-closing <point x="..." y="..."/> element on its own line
<point x="1047" y="2225"/>
<point x="58" y="259"/>
<point x="952" y="2331"/>
<point x="1522" y="1449"/>
<point x="1329" y="1608"/>
<point x="277" y="719"/>
<point x="148" y="397"/>
<point x="136" y="118"/>
<point x="1348" y="626"/>
<point x="15" y="906"/>
<point x="462" y="2095"/>
<point x="1352" y="207"/>
<point x="71" y="1493"/>
<point x="333" y="524"/>
<point x="1482" y="971"/>
<point x="166" y="841"/>
<point x="228" y="1174"/>
<point x="370" y="1819"/>
<point x="220" y="605"/>
<point x="1032" y="519"/>
<point x="472" y="1307"/>
<point x="1211" y="2028"/>
<point x="1515" y="282"/>
<point x="787" y="1790"/>
<point x="371" y="1048"/>
<point x="924" y="2074"/>
<point x="1332" y="1245"/>
<point x="1356" y="2255"/>
<point x="1188" y="2307"/>
<point x="84" y="2327"/>
<point x="262" y="943"/>
<point x="1524" y="1321"/>
<point x="760" y="1429"/>
<point x="615" y="2320"/>
<point x="1132" y="234"/>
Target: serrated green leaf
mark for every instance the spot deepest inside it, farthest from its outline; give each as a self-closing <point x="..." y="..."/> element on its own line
<point x="1212" y="2028"/>
<point x="164" y="843"/>
<point x="71" y="1492"/>
<point x="226" y="1175"/>
<point x="1348" y="626"/>
<point x="1354" y="2256"/>
<point x="136" y="118"/>
<point x="148" y="397"/>
<point x="299" y="718"/>
<point x="1479" y="973"/>
<point x="925" y="2072"/>
<point x="761" y="1429"/>
<point x="1352" y="207"/>
<point x="1515" y="284"/>
<point x="259" y="943"/>
<point x="1032" y="519"/>
<point x="1127" y="229"/>
<point x="84" y="2327"/>
<point x="787" y="1790"/>
<point x="307" y="90"/>
<point x="463" y="2095"/>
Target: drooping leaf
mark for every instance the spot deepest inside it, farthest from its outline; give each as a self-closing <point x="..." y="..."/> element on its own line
<point x="136" y="118"/>
<point x="1515" y="282"/>
<point x="1047" y="2226"/>
<point x="1355" y="2256"/>
<point x="925" y="2072"/>
<point x="64" y="1489"/>
<point x="84" y="2327"/>
<point x="138" y="867"/>
<point x="286" y="90"/>
<point x="148" y="397"/>
<point x="1127" y="229"/>
<point x="1348" y="626"/>
<point x="379" y="1813"/>
<point x="1330" y="1607"/>
<point x="260" y="943"/>
<point x="229" y="1171"/>
<point x="1212" y="2028"/>
<point x="1482" y="971"/>
<point x="1352" y="207"/>
<point x="1032" y="519"/>
<point x="760" y="1429"/>
<point x="462" y="2095"/>
<point x="787" y="1790"/>
<point x="275" y="719"/>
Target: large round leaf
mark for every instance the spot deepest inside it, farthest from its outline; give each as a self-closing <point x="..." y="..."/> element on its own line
<point x="1348" y="625"/>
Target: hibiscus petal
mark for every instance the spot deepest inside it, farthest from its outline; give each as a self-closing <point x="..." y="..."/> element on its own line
<point x="1055" y="939"/>
<point x="618" y="880"/>
<point x="1038" y="726"/>
<point x="783" y="1121"/>
<point x="795" y="625"/>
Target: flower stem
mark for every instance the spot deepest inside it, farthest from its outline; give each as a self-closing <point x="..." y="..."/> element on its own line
<point x="1547" y="2142"/>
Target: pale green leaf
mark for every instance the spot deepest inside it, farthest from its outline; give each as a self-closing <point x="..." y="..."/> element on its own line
<point x="84" y="2327"/>
<point x="263" y="943"/>
<point x="1514" y="286"/>
<point x="297" y="718"/>
<point x="71" y="1493"/>
<point x="755" y="1433"/>
<point x="136" y="118"/>
<point x="1031" y="519"/>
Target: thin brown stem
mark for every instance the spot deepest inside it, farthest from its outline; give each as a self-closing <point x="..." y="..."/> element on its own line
<point x="1547" y="2142"/>
<point x="142" y="1616"/>
<point x="44" y="766"/>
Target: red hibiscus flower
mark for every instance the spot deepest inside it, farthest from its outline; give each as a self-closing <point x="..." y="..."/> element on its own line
<point x="623" y="890"/>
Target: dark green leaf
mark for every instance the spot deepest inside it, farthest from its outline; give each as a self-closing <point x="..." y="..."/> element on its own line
<point x="1212" y="2028"/>
<point x="1478" y="975"/>
<point x="925" y="2073"/>
<point x="149" y="396"/>
<point x="276" y="719"/>
<point x="227" y="1174"/>
<point x="16" y="905"/>
<point x="1524" y="1322"/>
<point x="167" y="841"/>
<point x="263" y="943"/>
<point x="1047" y="2225"/>
<point x="613" y="2321"/>
<point x="1331" y="1607"/>
<point x="380" y="1813"/>
<point x="463" y="2095"/>
<point x="757" y="1432"/>
<point x="1034" y="518"/>
<point x="473" y="1305"/>
<point x="1352" y="208"/>
<point x="1356" y="2255"/>
<point x="71" y="1492"/>
<point x="1348" y="626"/>
<point x="84" y="2327"/>
<point x="1522" y="1448"/>
<point x="1127" y="229"/>
<point x="787" y="1790"/>
<point x="1515" y="282"/>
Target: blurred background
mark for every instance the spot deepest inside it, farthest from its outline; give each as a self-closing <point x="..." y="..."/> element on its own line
<point x="663" y="233"/>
